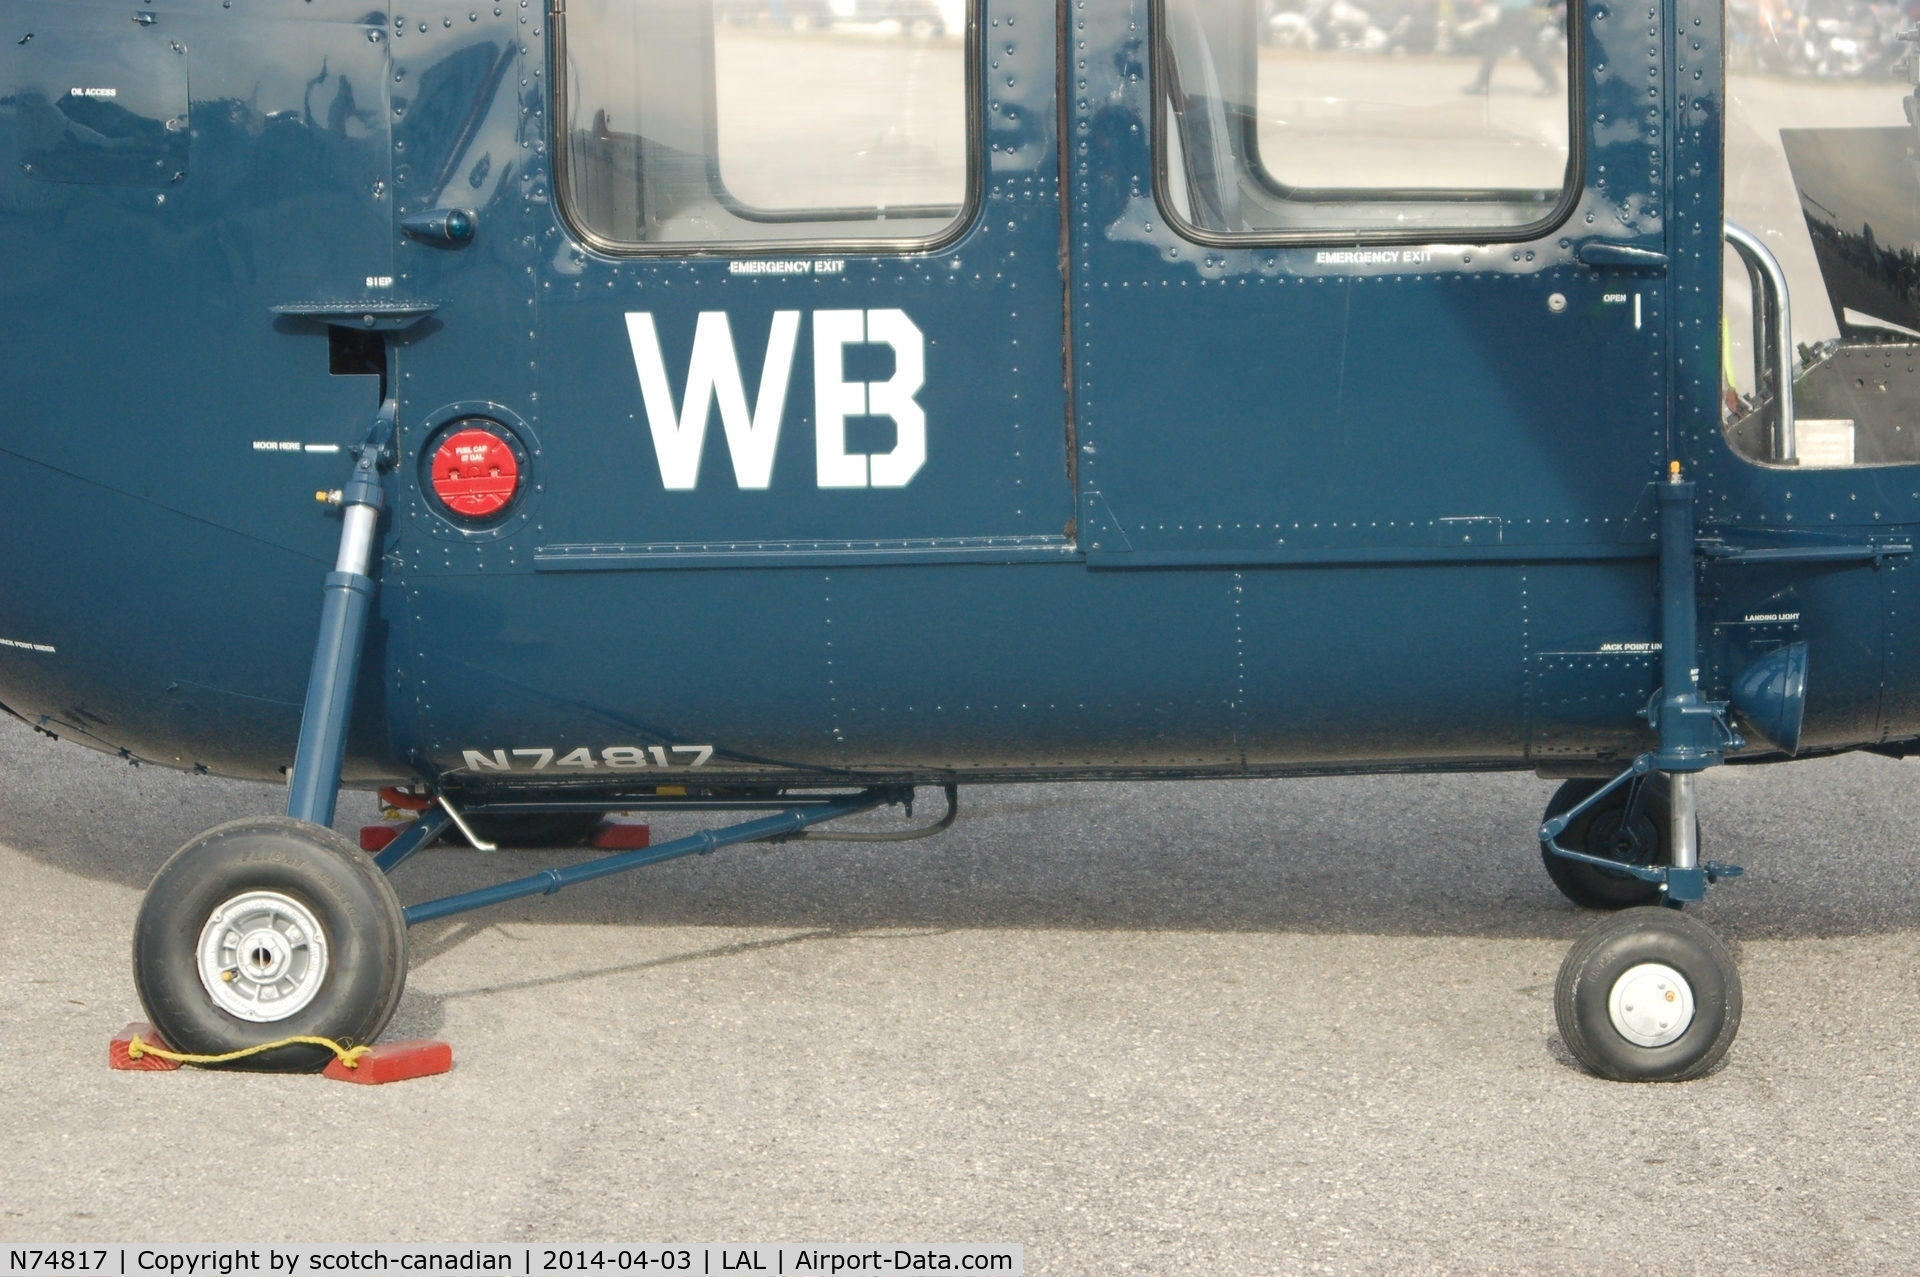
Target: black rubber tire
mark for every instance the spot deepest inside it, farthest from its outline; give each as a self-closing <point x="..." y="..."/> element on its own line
<point x="1626" y="940"/>
<point x="366" y="935"/>
<point x="526" y="830"/>
<point x="1594" y="832"/>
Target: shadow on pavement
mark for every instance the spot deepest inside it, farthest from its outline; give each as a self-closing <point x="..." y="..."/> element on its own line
<point x="1827" y="845"/>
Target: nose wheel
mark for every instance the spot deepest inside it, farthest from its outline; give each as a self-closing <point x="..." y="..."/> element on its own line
<point x="265" y="929"/>
<point x="1649" y="995"/>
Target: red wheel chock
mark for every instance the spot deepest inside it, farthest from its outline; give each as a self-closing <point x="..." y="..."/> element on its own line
<point x="619" y="831"/>
<point x="369" y="1066"/>
<point x="118" y="1058"/>
<point x="395" y="1062"/>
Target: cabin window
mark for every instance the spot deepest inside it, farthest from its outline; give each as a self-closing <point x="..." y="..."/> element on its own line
<point x="714" y="123"/>
<point x="1314" y="120"/>
<point x="1819" y="171"/>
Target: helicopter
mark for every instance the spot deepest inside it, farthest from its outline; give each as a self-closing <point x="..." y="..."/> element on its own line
<point x="1102" y="393"/>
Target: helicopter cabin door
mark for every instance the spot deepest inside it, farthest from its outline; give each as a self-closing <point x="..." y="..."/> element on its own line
<point x="1386" y="303"/>
<point x="747" y="300"/>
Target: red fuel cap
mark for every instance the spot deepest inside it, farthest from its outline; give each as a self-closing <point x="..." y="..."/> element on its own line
<point x="475" y="473"/>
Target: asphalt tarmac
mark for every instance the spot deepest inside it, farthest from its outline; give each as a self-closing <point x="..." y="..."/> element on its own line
<point x="1237" y="1027"/>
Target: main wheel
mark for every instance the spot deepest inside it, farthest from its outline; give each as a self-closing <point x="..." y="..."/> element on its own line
<point x="1649" y="995"/>
<point x="264" y="929"/>
<point x="1602" y="830"/>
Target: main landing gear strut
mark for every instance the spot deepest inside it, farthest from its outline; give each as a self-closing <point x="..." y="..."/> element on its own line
<point x="268" y="929"/>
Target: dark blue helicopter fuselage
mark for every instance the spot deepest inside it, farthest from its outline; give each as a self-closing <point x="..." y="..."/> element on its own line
<point x="1186" y="507"/>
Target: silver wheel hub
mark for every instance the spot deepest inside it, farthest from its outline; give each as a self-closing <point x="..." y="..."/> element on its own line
<point x="1651" y="1004"/>
<point x="262" y="956"/>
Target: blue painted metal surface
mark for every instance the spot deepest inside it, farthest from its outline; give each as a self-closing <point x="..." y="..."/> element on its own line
<point x="1189" y="509"/>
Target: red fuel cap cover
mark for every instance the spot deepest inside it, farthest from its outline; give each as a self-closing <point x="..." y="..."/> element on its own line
<point x="475" y="473"/>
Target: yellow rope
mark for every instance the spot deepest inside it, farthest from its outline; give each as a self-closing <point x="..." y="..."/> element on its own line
<point x="348" y="1056"/>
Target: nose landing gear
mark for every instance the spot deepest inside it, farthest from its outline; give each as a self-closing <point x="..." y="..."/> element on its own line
<point x="1651" y="995"/>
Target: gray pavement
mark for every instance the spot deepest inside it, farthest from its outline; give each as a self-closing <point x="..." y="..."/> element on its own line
<point x="1255" y="1027"/>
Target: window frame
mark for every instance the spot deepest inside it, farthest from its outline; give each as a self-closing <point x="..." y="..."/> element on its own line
<point x="1572" y="186"/>
<point x="972" y="49"/>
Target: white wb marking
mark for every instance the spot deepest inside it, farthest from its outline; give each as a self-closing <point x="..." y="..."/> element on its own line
<point x="713" y="378"/>
<point x="834" y="400"/>
<point x="714" y="373"/>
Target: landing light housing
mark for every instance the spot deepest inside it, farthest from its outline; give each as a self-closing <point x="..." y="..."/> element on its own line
<point x="1770" y="695"/>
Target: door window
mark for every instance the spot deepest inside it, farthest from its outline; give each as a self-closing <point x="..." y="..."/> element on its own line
<point x="1322" y="119"/>
<point x="729" y="122"/>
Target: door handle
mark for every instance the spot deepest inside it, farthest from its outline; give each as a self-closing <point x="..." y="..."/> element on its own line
<point x="1598" y="252"/>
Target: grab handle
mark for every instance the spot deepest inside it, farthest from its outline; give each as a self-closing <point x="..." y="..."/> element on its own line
<point x="1772" y="336"/>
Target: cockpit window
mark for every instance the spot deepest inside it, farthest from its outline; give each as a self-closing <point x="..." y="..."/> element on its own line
<point x="710" y="123"/>
<point x="1326" y="119"/>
